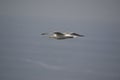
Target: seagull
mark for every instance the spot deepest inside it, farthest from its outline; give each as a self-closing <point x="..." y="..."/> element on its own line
<point x="61" y="36"/>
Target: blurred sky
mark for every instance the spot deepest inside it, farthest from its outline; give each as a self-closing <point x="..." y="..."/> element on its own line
<point x="85" y="10"/>
<point x="25" y="55"/>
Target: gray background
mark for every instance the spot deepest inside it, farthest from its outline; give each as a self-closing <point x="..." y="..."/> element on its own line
<point x="26" y="55"/>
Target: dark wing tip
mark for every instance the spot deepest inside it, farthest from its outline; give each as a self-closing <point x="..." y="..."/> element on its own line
<point x="77" y="34"/>
<point x="82" y="35"/>
<point x="44" y="33"/>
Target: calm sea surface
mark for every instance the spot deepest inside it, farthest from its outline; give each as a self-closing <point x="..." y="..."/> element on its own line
<point x="26" y="55"/>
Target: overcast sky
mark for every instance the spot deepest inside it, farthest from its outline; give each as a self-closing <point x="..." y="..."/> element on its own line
<point x="107" y="10"/>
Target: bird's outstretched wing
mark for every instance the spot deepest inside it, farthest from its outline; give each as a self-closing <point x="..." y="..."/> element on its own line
<point x="44" y="33"/>
<point x="75" y="34"/>
<point x="59" y="33"/>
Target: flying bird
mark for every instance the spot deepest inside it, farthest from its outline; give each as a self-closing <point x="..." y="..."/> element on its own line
<point x="61" y="36"/>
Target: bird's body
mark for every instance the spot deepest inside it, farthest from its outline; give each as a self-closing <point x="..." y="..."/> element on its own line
<point x="61" y="36"/>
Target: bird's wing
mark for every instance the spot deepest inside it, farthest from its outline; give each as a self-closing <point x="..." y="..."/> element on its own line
<point x="59" y="33"/>
<point x="75" y="34"/>
<point x="44" y="33"/>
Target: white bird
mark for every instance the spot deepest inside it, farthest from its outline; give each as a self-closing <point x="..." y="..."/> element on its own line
<point x="61" y="36"/>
